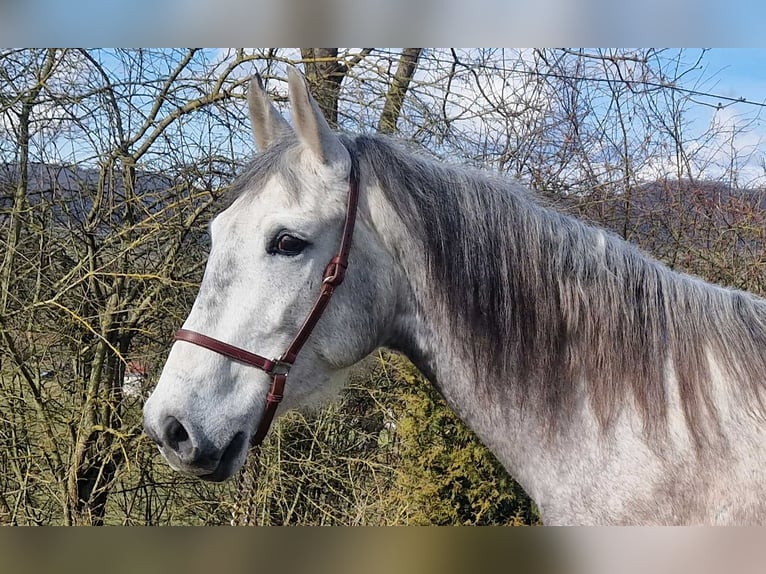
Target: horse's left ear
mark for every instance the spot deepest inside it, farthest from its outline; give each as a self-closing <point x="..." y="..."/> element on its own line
<point x="309" y="123"/>
<point x="267" y="123"/>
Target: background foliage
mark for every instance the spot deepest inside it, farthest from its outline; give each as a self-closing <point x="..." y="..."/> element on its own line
<point x="113" y="161"/>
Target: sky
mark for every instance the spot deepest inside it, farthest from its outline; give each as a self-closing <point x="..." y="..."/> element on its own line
<point x="735" y="73"/>
<point x="741" y="72"/>
<point x="729" y="73"/>
<point x="740" y="126"/>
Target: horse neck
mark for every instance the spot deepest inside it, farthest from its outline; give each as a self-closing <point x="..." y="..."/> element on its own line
<point x="516" y="435"/>
<point x="423" y="331"/>
<point x="649" y="375"/>
<point x="554" y="467"/>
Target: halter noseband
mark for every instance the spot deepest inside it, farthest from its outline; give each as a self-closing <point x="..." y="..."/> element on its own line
<point x="278" y="368"/>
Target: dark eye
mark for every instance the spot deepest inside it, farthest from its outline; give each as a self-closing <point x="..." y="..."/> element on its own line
<point x="286" y="244"/>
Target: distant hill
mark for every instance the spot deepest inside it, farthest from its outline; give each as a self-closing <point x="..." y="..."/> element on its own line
<point x="64" y="196"/>
<point x="659" y="210"/>
<point x="76" y="186"/>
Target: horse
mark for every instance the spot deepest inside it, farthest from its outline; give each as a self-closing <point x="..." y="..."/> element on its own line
<point x="613" y="389"/>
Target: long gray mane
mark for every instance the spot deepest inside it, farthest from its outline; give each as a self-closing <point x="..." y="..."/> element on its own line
<point x="546" y="297"/>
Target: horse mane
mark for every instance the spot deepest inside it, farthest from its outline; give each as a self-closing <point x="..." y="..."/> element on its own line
<point x="547" y="301"/>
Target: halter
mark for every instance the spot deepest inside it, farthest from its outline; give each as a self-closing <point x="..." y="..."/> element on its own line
<point x="278" y="368"/>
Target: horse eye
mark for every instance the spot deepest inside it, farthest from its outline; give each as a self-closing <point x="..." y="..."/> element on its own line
<point x="286" y="244"/>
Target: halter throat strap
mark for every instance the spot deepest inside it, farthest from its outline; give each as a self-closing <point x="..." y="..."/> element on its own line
<point x="278" y="368"/>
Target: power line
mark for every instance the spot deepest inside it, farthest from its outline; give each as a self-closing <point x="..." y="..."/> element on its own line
<point x="630" y="83"/>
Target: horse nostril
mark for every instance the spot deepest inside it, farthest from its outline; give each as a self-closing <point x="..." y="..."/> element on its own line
<point x="175" y="433"/>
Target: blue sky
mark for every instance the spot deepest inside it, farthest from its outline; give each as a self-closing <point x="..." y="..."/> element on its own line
<point x="732" y="73"/>
<point x="740" y="72"/>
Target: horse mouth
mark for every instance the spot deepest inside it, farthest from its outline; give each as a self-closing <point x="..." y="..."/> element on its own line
<point x="228" y="464"/>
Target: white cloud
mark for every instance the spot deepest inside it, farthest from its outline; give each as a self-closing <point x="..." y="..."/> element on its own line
<point x="736" y="148"/>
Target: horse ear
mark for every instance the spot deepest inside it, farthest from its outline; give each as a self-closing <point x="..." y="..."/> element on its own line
<point x="267" y="123"/>
<point x="311" y="126"/>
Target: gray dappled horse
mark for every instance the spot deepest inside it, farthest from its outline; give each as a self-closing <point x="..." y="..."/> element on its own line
<point x="612" y="388"/>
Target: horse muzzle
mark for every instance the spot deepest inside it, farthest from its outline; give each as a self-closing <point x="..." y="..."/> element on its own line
<point x="192" y="454"/>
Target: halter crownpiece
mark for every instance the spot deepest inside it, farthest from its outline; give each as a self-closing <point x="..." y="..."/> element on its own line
<point x="278" y="368"/>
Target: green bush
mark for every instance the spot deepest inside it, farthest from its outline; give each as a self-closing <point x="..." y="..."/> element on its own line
<point x="445" y="475"/>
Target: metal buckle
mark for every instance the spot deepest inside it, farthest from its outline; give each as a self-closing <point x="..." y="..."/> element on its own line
<point x="334" y="273"/>
<point x="279" y="367"/>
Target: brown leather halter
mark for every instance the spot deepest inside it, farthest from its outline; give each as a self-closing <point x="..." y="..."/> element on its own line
<point x="278" y="368"/>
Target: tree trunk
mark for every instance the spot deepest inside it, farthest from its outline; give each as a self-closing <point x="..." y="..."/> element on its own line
<point x="325" y="73"/>
<point x="408" y="63"/>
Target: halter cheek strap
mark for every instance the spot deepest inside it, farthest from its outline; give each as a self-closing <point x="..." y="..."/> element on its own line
<point x="279" y="368"/>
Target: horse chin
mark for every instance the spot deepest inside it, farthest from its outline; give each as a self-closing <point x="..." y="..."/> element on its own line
<point x="219" y="475"/>
<point x="232" y="459"/>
